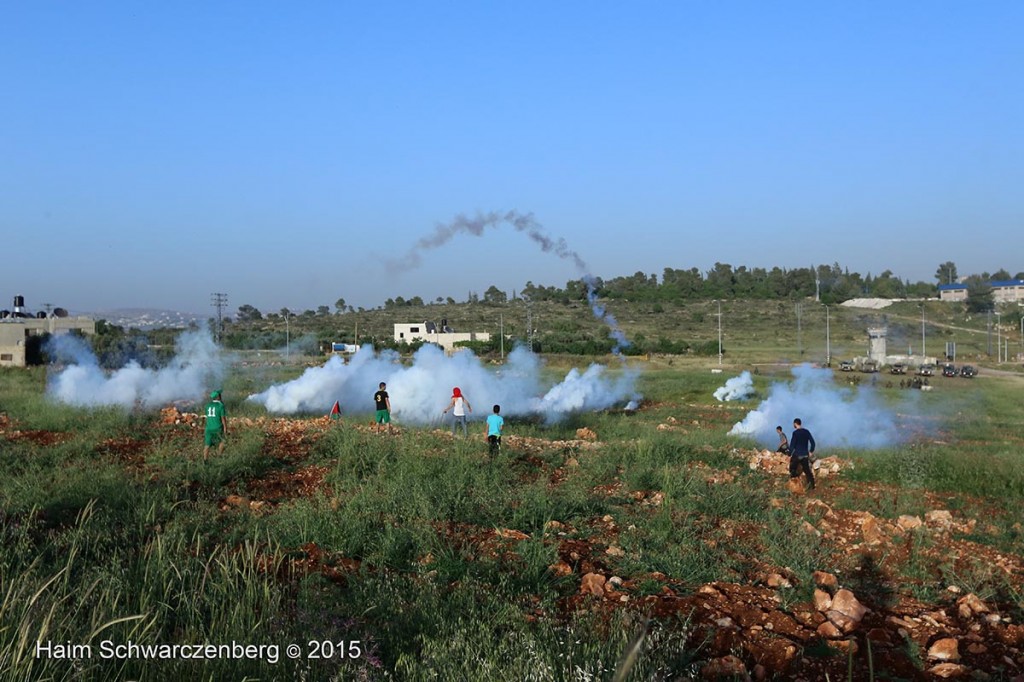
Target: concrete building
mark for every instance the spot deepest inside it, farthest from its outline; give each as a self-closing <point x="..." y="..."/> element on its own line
<point x="878" y="353"/>
<point x="442" y="334"/>
<point x="952" y="292"/>
<point x="1008" y="291"/>
<point x="877" y="344"/>
<point x="21" y="338"/>
<point x="1003" y="291"/>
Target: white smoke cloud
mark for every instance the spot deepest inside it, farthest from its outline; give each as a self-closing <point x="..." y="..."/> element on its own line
<point x="736" y="388"/>
<point x="421" y="391"/>
<point x="838" y="417"/>
<point x="196" y="366"/>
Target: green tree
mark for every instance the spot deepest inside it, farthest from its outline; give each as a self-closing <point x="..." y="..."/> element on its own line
<point x="887" y="285"/>
<point x="248" y="313"/>
<point x="323" y="310"/>
<point x="495" y="295"/>
<point x="340" y="305"/>
<point x="946" y="273"/>
<point x="1001" y="275"/>
<point x="719" y="281"/>
<point x="921" y="290"/>
<point x="979" y="295"/>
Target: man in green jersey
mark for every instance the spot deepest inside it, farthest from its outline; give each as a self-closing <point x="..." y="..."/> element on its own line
<point x="216" y="425"/>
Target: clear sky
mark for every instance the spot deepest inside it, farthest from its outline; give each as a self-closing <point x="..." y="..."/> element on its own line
<point x="154" y="153"/>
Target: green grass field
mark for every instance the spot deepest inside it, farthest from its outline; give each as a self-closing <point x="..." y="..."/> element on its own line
<point x="417" y="557"/>
<point x="752" y="331"/>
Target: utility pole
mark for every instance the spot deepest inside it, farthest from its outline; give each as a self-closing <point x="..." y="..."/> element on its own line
<point x="501" y="328"/>
<point x="828" y="341"/>
<point x="988" y="325"/>
<point x="924" y="351"/>
<point x="287" y="337"/>
<point x="219" y="301"/>
<point x="719" y="331"/>
<point x="529" y="323"/>
<point x="999" y="340"/>
<point x="799" y="331"/>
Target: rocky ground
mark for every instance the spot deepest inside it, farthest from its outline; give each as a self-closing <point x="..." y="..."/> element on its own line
<point x="762" y="626"/>
<point x="751" y="629"/>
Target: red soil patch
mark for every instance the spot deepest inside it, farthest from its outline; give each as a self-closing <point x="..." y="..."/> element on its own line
<point x="38" y="437"/>
<point x="280" y="486"/>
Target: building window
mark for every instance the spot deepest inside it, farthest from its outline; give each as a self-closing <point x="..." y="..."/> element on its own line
<point x="414" y="330"/>
<point x="6" y="357"/>
<point x="401" y="335"/>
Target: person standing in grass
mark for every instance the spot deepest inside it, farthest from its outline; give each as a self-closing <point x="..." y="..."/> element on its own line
<point x="801" y="445"/>
<point x="783" y="443"/>
<point x="382" y="404"/>
<point x="458" y="406"/>
<point x="216" y="425"/>
<point x="495" y="423"/>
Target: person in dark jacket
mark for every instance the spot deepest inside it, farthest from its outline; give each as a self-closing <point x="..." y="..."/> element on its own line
<point x="801" y="445"/>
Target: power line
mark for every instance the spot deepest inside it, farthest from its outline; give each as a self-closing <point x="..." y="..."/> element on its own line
<point x="219" y="301"/>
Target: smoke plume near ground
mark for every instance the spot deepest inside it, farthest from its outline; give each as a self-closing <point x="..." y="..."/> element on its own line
<point x="528" y="225"/>
<point x="836" y="416"/>
<point x="736" y="388"/>
<point x="421" y="391"/>
<point x="196" y="367"/>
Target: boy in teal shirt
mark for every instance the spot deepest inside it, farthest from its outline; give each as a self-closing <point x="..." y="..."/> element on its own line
<point x="495" y="422"/>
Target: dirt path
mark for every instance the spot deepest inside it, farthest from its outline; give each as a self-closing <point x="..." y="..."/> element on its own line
<point x="1015" y="377"/>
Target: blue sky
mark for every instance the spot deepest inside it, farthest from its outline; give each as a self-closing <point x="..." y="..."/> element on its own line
<point x="153" y="153"/>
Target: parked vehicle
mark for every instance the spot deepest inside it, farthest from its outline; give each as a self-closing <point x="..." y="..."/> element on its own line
<point x="898" y="368"/>
<point x="926" y="370"/>
<point x="968" y="372"/>
<point x="846" y="366"/>
<point x="949" y="371"/>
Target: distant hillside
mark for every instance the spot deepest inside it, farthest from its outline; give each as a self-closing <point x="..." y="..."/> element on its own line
<point x="751" y="330"/>
<point x="146" y="318"/>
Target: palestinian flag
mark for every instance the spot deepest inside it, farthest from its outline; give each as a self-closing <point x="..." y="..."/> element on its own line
<point x="335" y="411"/>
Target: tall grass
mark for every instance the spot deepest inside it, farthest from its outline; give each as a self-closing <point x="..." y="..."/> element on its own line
<point x="175" y="589"/>
<point x="99" y="546"/>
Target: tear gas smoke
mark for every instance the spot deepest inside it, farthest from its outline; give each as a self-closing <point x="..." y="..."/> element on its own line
<point x="421" y="391"/>
<point x="736" y="388"/>
<point x="195" y="367"/>
<point x="838" y="417"/>
<point x="443" y="233"/>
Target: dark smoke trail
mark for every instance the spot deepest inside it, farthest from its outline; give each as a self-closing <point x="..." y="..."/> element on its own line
<point x="526" y="223"/>
<point x="443" y="233"/>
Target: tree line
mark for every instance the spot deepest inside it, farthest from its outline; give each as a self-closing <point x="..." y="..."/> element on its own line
<point x="831" y="284"/>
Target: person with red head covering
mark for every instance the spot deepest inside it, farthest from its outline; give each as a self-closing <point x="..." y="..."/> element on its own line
<point x="459" y="405"/>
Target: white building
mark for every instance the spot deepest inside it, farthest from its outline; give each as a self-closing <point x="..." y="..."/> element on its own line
<point x="1011" y="290"/>
<point x="442" y="334"/>
<point x="1003" y="291"/>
